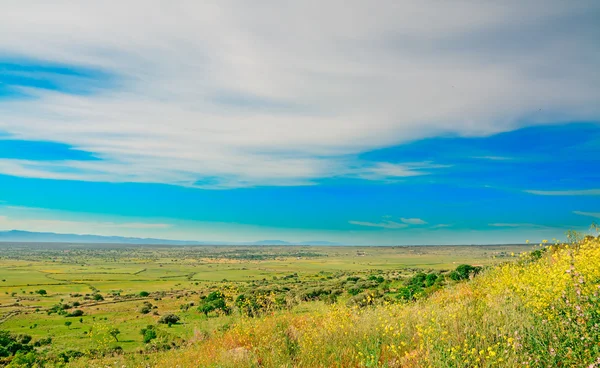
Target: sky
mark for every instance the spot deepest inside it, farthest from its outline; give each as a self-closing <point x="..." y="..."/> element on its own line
<point x="383" y="123"/>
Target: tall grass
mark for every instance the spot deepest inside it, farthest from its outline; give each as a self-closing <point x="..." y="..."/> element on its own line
<point x="541" y="311"/>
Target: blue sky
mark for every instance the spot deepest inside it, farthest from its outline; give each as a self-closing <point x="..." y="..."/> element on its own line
<point x="419" y="125"/>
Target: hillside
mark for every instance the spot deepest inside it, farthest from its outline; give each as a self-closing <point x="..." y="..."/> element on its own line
<point x="541" y="311"/>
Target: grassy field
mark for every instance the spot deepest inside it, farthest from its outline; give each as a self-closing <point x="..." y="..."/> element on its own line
<point x="109" y="285"/>
<point x="540" y="310"/>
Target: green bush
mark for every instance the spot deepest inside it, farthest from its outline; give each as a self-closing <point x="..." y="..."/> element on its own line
<point x="26" y="360"/>
<point x="148" y="333"/>
<point x="68" y="355"/>
<point x="12" y="344"/>
<point x="215" y="301"/>
<point x="75" y="313"/>
<point x="169" y="319"/>
<point x="464" y="272"/>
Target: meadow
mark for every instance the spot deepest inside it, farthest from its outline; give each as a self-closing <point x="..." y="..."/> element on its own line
<point x="289" y="306"/>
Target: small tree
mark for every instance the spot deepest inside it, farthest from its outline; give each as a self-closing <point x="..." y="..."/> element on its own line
<point x="430" y="279"/>
<point x="214" y="301"/>
<point x="169" y="319"/>
<point x="75" y="313"/>
<point x="114" y="332"/>
<point x="42" y="292"/>
<point x="144" y="293"/>
<point x="464" y="271"/>
<point x="68" y="324"/>
<point x="146" y="308"/>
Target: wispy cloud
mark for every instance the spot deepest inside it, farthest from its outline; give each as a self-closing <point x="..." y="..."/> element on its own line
<point x="413" y="221"/>
<point x="392" y="171"/>
<point x="589" y="214"/>
<point x="232" y="93"/>
<point x="383" y="224"/>
<point x="9" y="223"/>
<point x="389" y="224"/>
<point x="517" y="225"/>
<point x="493" y="158"/>
<point x="135" y="225"/>
<point x="43" y="219"/>
<point x="582" y="192"/>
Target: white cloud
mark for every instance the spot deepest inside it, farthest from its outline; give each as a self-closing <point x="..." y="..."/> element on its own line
<point x="48" y="225"/>
<point x="135" y="225"/>
<point x="235" y="94"/>
<point x="413" y="221"/>
<point x="582" y="192"/>
<point x="384" y="224"/>
<point x="589" y="214"/>
<point x="516" y="225"/>
<point x="493" y="158"/>
<point x="388" y="224"/>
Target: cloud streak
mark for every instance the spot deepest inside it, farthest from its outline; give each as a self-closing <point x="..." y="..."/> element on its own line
<point x="413" y="221"/>
<point x="582" y="192"/>
<point x="588" y="214"/>
<point x="9" y="223"/>
<point x="383" y="224"/>
<point x="389" y="224"/>
<point x="518" y="225"/>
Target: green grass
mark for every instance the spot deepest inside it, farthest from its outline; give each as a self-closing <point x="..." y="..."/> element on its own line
<point x="183" y="274"/>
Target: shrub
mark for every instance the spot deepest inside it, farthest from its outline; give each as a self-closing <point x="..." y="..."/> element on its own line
<point x="362" y="300"/>
<point x="406" y="293"/>
<point x="148" y="333"/>
<point x="43" y="341"/>
<point x="169" y="319"/>
<point x="12" y="344"/>
<point x="464" y="272"/>
<point x="75" y="313"/>
<point x="378" y="279"/>
<point x="68" y="355"/>
<point x="247" y="305"/>
<point x="145" y="309"/>
<point x="26" y="360"/>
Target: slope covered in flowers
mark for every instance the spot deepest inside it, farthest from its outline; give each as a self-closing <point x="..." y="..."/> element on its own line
<point x="541" y="311"/>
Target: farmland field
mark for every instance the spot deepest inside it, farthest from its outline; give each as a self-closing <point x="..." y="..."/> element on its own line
<point x="42" y="285"/>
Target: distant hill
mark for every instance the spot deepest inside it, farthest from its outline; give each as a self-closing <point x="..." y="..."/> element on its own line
<point x="283" y="242"/>
<point x="271" y="242"/>
<point x="34" y="237"/>
<point x="317" y="242"/>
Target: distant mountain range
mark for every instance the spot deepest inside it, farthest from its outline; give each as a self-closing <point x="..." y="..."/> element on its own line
<point x="33" y="237"/>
